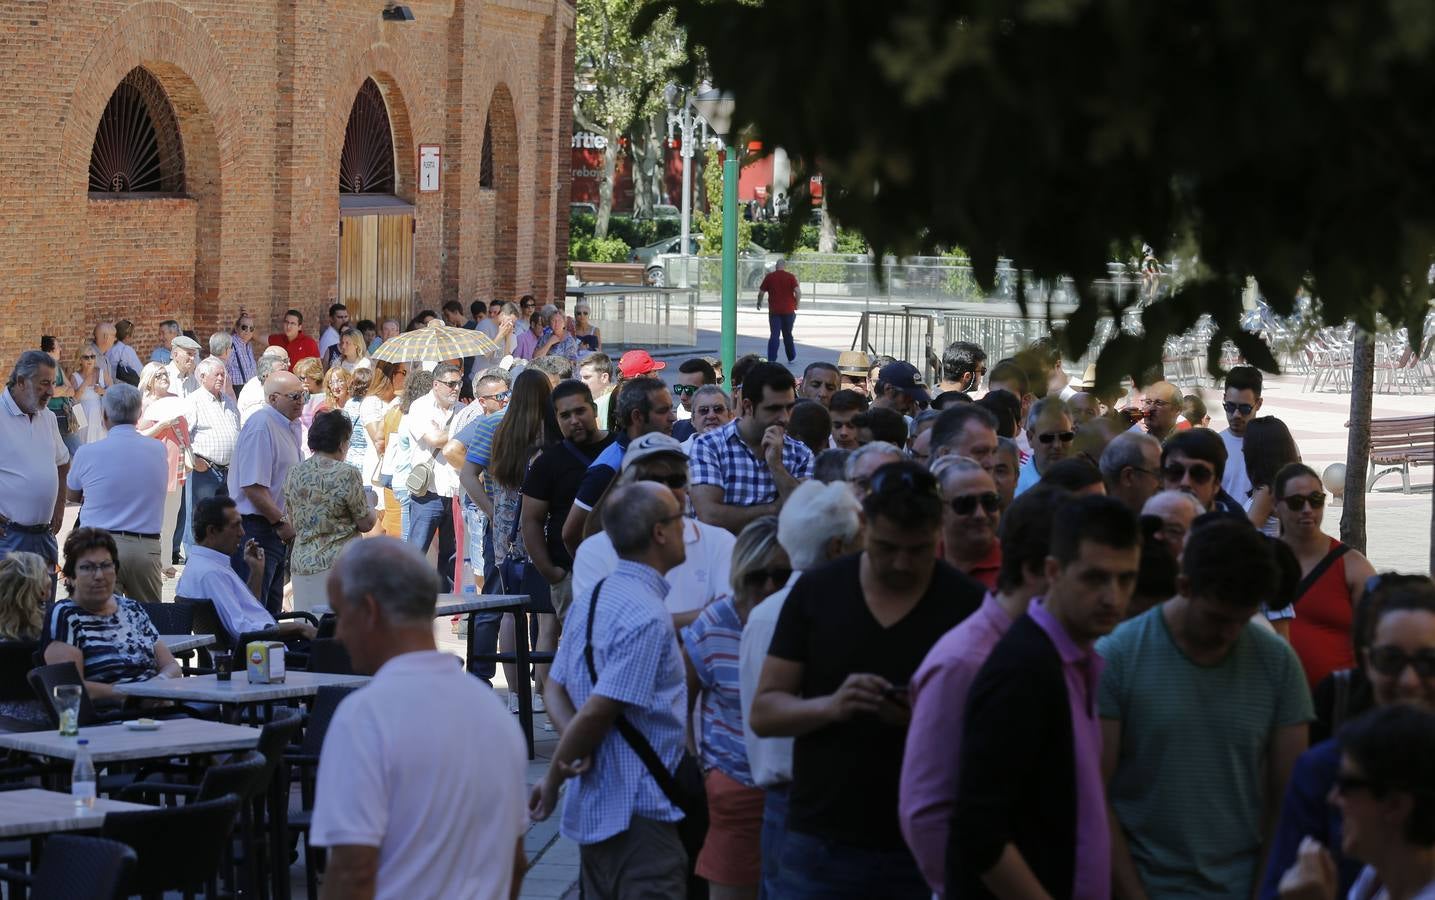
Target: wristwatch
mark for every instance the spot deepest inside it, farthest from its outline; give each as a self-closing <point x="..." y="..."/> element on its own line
<point x="277" y="522"/>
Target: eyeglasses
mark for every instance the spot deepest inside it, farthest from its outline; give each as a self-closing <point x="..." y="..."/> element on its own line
<point x="677" y="481"/>
<point x="1065" y="437"/>
<point x="685" y="390"/>
<point x="759" y="577"/>
<point x="296" y="396"/>
<point x="1244" y="409"/>
<point x="246" y="327"/>
<point x="1297" y="502"/>
<point x="88" y="569"/>
<point x="498" y="397"/>
<point x="87" y="356"/>
<point x="451" y="385"/>
<point x="1391" y="661"/>
<point x="709" y="410"/>
<point x="967" y="504"/>
<point x="581" y="312"/>
<point x="1156" y="403"/>
<point x="1199" y="474"/>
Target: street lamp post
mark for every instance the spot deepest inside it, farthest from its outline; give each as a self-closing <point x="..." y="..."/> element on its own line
<point x="682" y="117"/>
<point x="717" y="108"/>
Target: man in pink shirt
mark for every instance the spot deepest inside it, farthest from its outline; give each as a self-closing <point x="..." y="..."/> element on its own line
<point x="939" y="688"/>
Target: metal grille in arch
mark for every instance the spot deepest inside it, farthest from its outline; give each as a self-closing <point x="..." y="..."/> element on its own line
<point x="137" y="145"/>
<point x="367" y="163"/>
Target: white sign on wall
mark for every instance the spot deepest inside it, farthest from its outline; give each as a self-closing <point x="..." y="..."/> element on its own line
<point x="430" y="168"/>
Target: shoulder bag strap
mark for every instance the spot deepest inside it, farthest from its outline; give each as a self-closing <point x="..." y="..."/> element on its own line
<point x="630" y="733"/>
<point x="1308" y="582"/>
<point x="577" y="454"/>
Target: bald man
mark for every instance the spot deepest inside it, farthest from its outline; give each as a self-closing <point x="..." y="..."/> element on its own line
<point x="1162" y="405"/>
<point x="267" y="448"/>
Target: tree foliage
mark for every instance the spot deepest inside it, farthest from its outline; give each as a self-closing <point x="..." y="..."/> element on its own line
<point x="1285" y="140"/>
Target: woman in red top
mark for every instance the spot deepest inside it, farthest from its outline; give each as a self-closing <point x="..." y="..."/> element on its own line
<point x="1333" y="575"/>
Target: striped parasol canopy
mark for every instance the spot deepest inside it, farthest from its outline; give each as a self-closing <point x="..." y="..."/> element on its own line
<point x="435" y="342"/>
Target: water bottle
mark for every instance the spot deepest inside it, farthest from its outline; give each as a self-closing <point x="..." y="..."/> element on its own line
<point x="82" y="777"/>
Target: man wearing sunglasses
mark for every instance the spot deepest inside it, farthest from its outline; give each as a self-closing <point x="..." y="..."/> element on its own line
<point x="266" y="449"/>
<point x="971" y="510"/>
<point x="1194" y="461"/>
<point x="1241" y="403"/>
<point x="1195" y="680"/>
<point x="1050" y="431"/>
<point x="692" y="374"/>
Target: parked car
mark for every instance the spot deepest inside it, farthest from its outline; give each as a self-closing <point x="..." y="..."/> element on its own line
<point x="668" y="245"/>
<point x="587" y="209"/>
<point x="753" y="263"/>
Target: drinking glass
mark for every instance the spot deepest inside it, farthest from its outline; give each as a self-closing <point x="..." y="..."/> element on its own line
<point x="67" y="704"/>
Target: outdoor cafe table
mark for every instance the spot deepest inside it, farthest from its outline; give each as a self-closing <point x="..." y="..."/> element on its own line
<point x="117" y="742"/>
<point x="469" y="604"/>
<point x="34" y="811"/>
<point x="237" y="692"/>
<point x="179" y="643"/>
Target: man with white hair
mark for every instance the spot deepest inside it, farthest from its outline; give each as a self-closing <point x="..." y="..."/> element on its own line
<point x="185" y="354"/>
<point x="251" y="396"/>
<point x="712" y="409"/>
<point x="1131" y="468"/>
<point x="399" y="804"/>
<point x="119" y="482"/>
<point x="1050" y="432"/>
<point x="35" y="462"/>
<point x="213" y="430"/>
<point x="1176" y="510"/>
<point x="868" y="459"/>
<point x="267" y="448"/>
<point x="821" y="523"/>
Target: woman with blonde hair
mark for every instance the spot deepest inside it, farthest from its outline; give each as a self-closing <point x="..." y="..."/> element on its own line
<point x="89" y="381"/>
<point x="167" y="424"/>
<point x="24" y="590"/>
<point x="353" y="351"/>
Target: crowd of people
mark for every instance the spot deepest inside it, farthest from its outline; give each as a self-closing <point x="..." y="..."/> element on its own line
<point x="821" y="634"/>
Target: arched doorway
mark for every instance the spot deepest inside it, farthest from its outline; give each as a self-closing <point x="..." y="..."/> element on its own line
<point x="498" y="172"/>
<point x="376" y="227"/>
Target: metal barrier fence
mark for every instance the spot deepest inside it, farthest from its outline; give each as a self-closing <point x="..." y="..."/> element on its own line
<point x="634" y="316"/>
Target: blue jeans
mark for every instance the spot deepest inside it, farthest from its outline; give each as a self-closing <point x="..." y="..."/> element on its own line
<point x="817" y="869"/>
<point x="271" y="590"/>
<point x="431" y="514"/>
<point x="774" y="834"/>
<point x="198" y="487"/>
<point x="14" y="541"/>
<point x="402" y="496"/>
<point x="780" y="323"/>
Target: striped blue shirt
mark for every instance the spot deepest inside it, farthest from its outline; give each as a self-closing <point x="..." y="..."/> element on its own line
<point x="118" y="648"/>
<point x="713" y="641"/>
<point x="639" y="664"/>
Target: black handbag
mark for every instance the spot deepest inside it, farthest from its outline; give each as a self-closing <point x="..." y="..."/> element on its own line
<point x="517" y="575"/>
<point x="684" y="787"/>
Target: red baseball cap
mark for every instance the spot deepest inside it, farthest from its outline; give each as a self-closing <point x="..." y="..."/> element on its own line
<point x="638" y="362"/>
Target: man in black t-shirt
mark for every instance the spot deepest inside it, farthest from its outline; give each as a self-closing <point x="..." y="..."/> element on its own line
<point x="848" y="640"/>
<point x="548" y="493"/>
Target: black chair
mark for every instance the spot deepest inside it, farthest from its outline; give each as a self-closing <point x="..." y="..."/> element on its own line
<point x="74" y="866"/>
<point x="179" y="848"/>
<point x="43" y="681"/>
<point x="16" y="661"/>
<point x="328" y="655"/>
<point x="171" y="618"/>
<point x="306" y="760"/>
<point x="275" y="740"/>
<point x="243" y="775"/>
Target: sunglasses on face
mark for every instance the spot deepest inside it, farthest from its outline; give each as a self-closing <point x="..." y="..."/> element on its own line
<point x="246" y="327"/>
<point x="763" y="576"/>
<point x="1199" y="474"/>
<point x="498" y="397"/>
<point x="1391" y="661"/>
<point x="685" y="390"/>
<point x="1297" y="502"/>
<point x="676" y="481"/>
<point x="967" y="504"/>
<point x="88" y="356"/>
<point x="709" y="410"/>
<point x="1244" y="409"/>
<point x="1065" y="437"/>
<point x="451" y="385"/>
<point x="297" y="396"/>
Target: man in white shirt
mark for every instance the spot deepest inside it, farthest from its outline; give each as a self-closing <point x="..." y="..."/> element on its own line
<point x="400" y="804"/>
<point x="120" y="483"/>
<point x="329" y="340"/>
<point x="185" y="353"/>
<point x="251" y="396"/>
<point x="1242" y="401"/>
<point x="267" y="448"/>
<point x="213" y="431"/>
<point x="819" y="522"/>
<point x="208" y="575"/>
<point x="34" y="463"/>
<point x="429" y="424"/>
<point x="703" y="574"/>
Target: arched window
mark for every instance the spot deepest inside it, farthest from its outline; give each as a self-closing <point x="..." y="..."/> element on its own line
<point x="485" y="160"/>
<point x="367" y="163"/>
<point x="137" y="144"/>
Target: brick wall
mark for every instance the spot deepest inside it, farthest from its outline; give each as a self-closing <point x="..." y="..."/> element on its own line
<point x="261" y="91"/>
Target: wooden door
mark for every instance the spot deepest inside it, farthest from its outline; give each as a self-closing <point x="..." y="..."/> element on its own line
<point x="376" y="266"/>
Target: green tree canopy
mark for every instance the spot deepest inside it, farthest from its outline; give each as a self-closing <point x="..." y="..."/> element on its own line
<point x="1286" y="140"/>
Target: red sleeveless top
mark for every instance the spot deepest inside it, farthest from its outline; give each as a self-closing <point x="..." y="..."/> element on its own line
<point x="1320" y="631"/>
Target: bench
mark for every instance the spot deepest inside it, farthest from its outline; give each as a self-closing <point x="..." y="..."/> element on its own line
<point x="610" y="273"/>
<point x="1398" y="443"/>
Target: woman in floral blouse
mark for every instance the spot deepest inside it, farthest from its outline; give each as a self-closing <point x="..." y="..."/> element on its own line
<point x="328" y="507"/>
